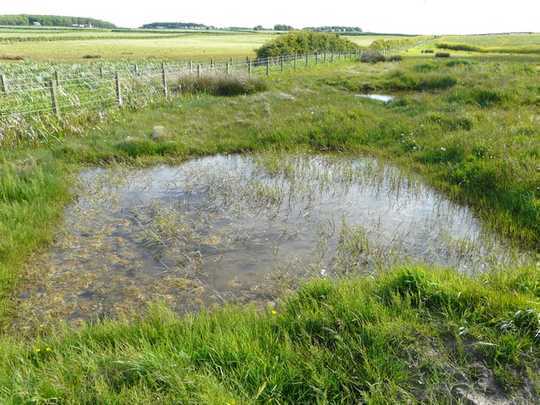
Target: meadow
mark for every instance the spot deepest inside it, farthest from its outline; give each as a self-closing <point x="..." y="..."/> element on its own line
<point x="468" y="126"/>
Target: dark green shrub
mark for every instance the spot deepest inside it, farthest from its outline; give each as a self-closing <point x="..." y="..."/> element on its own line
<point x="221" y="85"/>
<point x="442" y="55"/>
<point x="428" y="51"/>
<point x="459" y="47"/>
<point x="372" y="57"/>
<point x="300" y="42"/>
<point x="395" y="58"/>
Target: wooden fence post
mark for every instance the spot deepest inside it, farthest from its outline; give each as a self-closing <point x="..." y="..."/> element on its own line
<point x="190" y="67"/>
<point x="118" y="90"/>
<point x="307" y="59"/>
<point x="198" y="71"/>
<point x="3" y="84"/>
<point x="249" y="67"/>
<point x="54" y="98"/>
<point x="57" y="78"/>
<point x="212" y="64"/>
<point x="101" y="74"/>
<point x="164" y="80"/>
<point x="324" y="57"/>
<point x="227" y="68"/>
<point x="281" y="63"/>
<point x="294" y="61"/>
<point x="137" y="70"/>
<point x="267" y="66"/>
<point x="316" y="58"/>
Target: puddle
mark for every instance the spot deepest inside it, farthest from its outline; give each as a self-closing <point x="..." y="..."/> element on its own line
<point x="244" y="230"/>
<point x="378" y="97"/>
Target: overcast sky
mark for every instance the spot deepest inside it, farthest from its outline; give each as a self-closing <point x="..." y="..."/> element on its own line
<point x="406" y="16"/>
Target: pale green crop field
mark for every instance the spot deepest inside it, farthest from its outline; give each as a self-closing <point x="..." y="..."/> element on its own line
<point x="494" y="40"/>
<point x="181" y="46"/>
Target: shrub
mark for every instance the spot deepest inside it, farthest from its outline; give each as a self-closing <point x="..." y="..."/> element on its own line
<point x="428" y="51"/>
<point x="395" y="58"/>
<point x="459" y="47"/>
<point x="221" y="85"/>
<point x="300" y="42"/>
<point x="372" y="57"/>
<point x="482" y="97"/>
<point x="442" y="55"/>
<point x="92" y="57"/>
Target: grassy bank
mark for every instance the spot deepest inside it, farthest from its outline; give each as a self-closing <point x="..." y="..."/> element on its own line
<point x="404" y="336"/>
<point x="469" y="127"/>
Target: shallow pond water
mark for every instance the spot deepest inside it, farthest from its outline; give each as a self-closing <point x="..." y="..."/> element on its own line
<point x="242" y="229"/>
<point x="377" y="97"/>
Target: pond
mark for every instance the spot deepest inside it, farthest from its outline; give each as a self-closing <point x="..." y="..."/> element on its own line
<point x="243" y="230"/>
<point x="377" y="97"/>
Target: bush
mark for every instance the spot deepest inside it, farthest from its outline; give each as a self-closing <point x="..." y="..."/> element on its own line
<point x="425" y="67"/>
<point x="450" y="123"/>
<point x="227" y="86"/>
<point x="372" y="57"/>
<point x="459" y="47"/>
<point x="428" y="51"/>
<point x="454" y="63"/>
<point x="482" y="97"/>
<point x="300" y="42"/>
<point x="442" y="55"/>
<point x="395" y="58"/>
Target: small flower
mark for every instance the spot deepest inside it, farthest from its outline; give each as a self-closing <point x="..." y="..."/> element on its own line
<point x="273" y="312"/>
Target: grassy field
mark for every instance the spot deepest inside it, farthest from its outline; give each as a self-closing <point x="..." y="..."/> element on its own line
<point x="470" y="127"/>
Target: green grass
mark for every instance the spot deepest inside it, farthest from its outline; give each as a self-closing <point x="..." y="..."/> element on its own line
<point x="470" y="129"/>
<point x="408" y="335"/>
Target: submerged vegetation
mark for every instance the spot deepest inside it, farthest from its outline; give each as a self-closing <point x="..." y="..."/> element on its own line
<point x="403" y="333"/>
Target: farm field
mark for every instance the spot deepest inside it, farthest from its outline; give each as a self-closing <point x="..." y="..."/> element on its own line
<point x="122" y="229"/>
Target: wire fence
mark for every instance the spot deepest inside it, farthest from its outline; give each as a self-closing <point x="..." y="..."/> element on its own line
<point x="59" y="91"/>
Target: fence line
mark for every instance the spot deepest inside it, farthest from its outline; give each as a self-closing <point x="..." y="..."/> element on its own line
<point x="50" y="94"/>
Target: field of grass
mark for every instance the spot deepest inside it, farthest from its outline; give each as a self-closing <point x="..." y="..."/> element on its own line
<point x="145" y="46"/>
<point x="469" y="126"/>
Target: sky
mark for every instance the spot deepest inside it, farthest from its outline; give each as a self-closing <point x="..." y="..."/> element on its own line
<point x="400" y="16"/>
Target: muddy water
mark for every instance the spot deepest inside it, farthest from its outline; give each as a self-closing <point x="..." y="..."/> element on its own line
<point x="241" y="229"/>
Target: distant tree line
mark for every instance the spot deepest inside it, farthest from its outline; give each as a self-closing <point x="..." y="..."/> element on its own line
<point x="53" y="21"/>
<point x="178" y="26"/>
<point x="335" y="28"/>
<point x="302" y="42"/>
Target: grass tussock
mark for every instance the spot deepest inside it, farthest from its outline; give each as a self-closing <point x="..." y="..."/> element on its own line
<point x="226" y="86"/>
<point x="403" y="336"/>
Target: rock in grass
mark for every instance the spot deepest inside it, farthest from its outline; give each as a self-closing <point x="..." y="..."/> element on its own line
<point x="159" y="133"/>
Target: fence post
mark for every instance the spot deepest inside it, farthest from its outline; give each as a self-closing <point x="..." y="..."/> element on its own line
<point x="54" y="98"/>
<point x="316" y="58"/>
<point x="324" y="57"/>
<point x="267" y="66"/>
<point x="190" y="67"/>
<point x="227" y="68"/>
<point x="118" y="90"/>
<point x="332" y="57"/>
<point x="281" y="63"/>
<point x="101" y="72"/>
<point x="307" y="59"/>
<point x="164" y="80"/>
<point x="3" y="84"/>
<point x="57" y="78"/>
<point x="212" y="63"/>
<point x="136" y="70"/>
<point x="294" y="61"/>
<point x="249" y="67"/>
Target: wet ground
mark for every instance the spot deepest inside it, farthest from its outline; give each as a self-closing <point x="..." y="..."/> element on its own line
<point x="377" y="97"/>
<point x="244" y="230"/>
